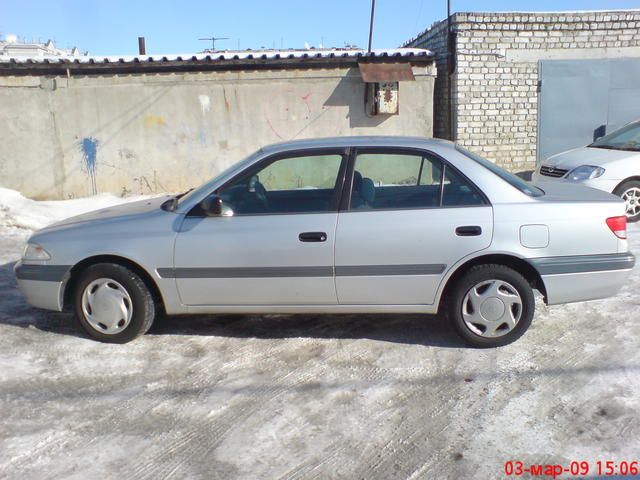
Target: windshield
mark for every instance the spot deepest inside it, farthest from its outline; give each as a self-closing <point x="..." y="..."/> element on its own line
<point x="195" y="193"/>
<point x="513" y="180"/>
<point x="626" y="138"/>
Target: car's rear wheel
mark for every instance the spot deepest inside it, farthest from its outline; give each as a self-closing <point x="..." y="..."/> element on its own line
<point x="491" y="305"/>
<point x="630" y="193"/>
<point x="112" y="303"/>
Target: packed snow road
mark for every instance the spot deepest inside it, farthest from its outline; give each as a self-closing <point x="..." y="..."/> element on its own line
<point x="356" y="396"/>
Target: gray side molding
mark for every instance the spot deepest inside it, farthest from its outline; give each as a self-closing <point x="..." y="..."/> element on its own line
<point x="374" y="270"/>
<point x="326" y="271"/>
<point x="245" y="272"/>
<point x="583" y="263"/>
<point x="42" y="273"/>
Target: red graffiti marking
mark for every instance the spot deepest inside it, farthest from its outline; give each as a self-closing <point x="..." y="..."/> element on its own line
<point x="305" y="99"/>
<point x="273" y="129"/>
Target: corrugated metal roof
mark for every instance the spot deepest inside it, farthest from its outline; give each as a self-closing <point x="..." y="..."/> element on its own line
<point x="227" y="56"/>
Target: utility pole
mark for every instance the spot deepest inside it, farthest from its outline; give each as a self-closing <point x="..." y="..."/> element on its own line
<point x="373" y="11"/>
<point x="213" y="39"/>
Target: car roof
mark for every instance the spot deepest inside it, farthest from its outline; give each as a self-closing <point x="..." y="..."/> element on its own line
<point x="358" y="141"/>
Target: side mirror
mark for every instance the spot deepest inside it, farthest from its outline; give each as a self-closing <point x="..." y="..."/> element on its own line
<point x="599" y="132"/>
<point x="213" y="206"/>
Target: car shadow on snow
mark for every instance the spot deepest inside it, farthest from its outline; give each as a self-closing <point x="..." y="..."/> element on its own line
<point x="428" y="330"/>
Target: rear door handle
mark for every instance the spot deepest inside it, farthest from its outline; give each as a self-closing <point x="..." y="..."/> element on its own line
<point x="312" y="237"/>
<point x="469" y="231"/>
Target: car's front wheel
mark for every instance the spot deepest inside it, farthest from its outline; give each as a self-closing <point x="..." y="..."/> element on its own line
<point x="112" y="303"/>
<point x="630" y="193"/>
<point x="491" y="305"/>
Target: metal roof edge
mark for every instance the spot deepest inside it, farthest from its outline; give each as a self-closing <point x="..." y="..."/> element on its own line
<point x="224" y="60"/>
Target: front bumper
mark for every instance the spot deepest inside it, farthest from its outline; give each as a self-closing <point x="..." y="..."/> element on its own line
<point x="43" y="285"/>
<point x="584" y="277"/>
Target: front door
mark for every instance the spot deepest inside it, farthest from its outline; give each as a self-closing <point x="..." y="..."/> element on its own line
<point x="277" y="248"/>
<point x="411" y="217"/>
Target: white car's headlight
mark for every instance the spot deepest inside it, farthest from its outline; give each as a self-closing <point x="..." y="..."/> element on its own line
<point x="585" y="172"/>
<point x="33" y="251"/>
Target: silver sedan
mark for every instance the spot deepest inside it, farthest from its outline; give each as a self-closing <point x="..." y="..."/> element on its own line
<point x="341" y="225"/>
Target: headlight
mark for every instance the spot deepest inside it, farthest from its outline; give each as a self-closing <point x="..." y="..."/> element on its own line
<point x="585" y="172"/>
<point x="33" y="251"/>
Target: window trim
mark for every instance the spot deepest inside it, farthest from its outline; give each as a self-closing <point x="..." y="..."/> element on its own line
<point x="343" y="152"/>
<point x="345" y="203"/>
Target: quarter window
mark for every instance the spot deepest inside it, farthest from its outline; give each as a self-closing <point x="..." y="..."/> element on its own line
<point x="303" y="184"/>
<point x="458" y="192"/>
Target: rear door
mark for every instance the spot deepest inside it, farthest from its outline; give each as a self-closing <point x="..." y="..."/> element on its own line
<point x="407" y="218"/>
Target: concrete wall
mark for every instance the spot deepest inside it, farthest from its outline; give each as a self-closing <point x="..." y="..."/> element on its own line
<point x="495" y="84"/>
<point x="69" y="137"/>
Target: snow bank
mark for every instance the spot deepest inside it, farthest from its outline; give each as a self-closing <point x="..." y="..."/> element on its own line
<point x="20" y="213"/>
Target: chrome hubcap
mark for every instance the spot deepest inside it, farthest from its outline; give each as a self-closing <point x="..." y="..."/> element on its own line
<point x="631" y="199"/>
<point x="107" y="306"/>
<point x="492" y="308"/>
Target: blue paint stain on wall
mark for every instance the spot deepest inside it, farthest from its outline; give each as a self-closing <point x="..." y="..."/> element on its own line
<point x="89" y="149"/>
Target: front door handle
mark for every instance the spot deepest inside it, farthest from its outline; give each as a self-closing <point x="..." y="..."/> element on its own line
<point x="469" y="231"/>
<point x="312" y="237"/>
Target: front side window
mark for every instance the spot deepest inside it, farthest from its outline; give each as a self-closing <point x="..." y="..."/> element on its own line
<point x="626" y="138"/>
<point x="395" y="180"/>
<point x="300" y="184"/>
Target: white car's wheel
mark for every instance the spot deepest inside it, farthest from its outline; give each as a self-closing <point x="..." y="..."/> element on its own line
<point x="112" y="303"/>
<point x="630" y="193"/>
<point x="491" y="305"/>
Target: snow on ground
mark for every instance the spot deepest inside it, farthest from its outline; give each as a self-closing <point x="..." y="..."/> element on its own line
<point x="352" y="396"/>
<point x="19" y="212"/>
<point x="20" y="216"/>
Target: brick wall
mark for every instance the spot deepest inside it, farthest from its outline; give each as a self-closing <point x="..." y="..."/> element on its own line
<point x="435" y="39"/>
<point x="494" y="87"/>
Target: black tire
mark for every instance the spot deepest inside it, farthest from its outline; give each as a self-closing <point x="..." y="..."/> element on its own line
<point x="143" y="306"/>
<point x="482" y="273"/>
<point x="620" y="191"/>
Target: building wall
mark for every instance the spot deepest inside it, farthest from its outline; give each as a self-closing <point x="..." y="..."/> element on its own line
<point x="495" y="84"/>
<point x="70" y="137"/>
<point x="436" y="39"/>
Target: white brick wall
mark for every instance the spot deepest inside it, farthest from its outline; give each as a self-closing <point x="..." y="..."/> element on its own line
<point x="495" y="99"/>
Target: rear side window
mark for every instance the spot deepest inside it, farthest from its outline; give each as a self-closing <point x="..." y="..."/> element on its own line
<point x="393" y="180"/>
<point x="458" y="192"/>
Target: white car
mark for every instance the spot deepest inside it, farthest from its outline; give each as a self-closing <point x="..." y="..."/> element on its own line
<point x="611" y="163"/>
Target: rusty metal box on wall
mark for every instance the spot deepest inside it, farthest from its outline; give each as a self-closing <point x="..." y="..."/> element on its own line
<point x="385" y="98"/>
<point x="382" y="87"/>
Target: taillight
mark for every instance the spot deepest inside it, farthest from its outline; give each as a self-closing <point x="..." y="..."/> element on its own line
<point x="618" y="226"/>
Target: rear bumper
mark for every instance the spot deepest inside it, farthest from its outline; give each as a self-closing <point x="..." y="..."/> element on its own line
<point x="583" y="277"/>
<point x="42" y="285"/>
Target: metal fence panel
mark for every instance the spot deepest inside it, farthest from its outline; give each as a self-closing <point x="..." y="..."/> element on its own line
<point x="578" y="98"/>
